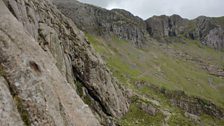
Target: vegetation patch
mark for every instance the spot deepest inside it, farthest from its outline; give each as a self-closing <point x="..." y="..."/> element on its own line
<point x="179" y="65"/>
<point x="22" y="111"/>
<point x="137" y="117"/>
<point x="2" y="72"/>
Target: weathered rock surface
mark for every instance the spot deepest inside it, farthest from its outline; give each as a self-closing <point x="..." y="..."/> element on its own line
<point x="194" y="105"/>
<point x="205" y="29"/>
<point x="44" y="55"/>
<point x="123" y="24"/>
<point x="95" y="20"/>
<point x="8" y="110"/>
<point x="149" y="109"/>
<point x="164" y="26"/>
<point x="40" y="92"/>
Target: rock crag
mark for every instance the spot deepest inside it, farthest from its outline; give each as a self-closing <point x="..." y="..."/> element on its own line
<point x="124" y="25"/>
<point x="99" y="21"/>
<point x="43" y="56"/>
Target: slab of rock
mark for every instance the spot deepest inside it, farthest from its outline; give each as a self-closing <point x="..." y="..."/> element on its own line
<point x="67" y="49"/>
<point x="149" y="109"/>
<point x="9" y="115"/>
<point x="41" y="93"/>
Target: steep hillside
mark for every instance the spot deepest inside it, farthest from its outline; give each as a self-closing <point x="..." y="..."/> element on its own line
<point x="44" y="62"/>
<point x="174" y="77"/>
<point x="175" y="83"/>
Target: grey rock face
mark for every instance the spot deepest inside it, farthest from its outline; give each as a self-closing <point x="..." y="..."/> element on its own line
<point x="205" y="29"/>
<point x="40" y="92"/>
<point x="194" y="105"/>
<point x="45" y="54"/>
<point x="149" y="109"/>
<point x="123" y="24"/>
<point x="8" y="110"/>
<point x="215" y="38"/>
<point x="162" y="26"/>
<point x="210" y="33"/>
<point x="119" y="23"/>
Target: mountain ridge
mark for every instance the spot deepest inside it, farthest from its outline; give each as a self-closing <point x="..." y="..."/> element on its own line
<point x="139" y="31"/>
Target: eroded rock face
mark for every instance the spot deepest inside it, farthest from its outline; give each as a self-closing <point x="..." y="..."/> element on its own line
<point x="123" y="24"/>
<point x="38" y="89"/>
<point x="8" y="109"/>
<point x="215" y="38"/>
<point x="92" y="19"/>
<point x="210" y="33"/>
<point x="44" y="55"/>
<point x="205" y="29"/>
<point x="164" y="26"/>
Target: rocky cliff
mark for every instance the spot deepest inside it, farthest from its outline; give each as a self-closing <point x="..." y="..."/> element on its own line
<point x="123" y="24"/>
<point x="164" y="26"/>
<point x="45" y="60"/>
<point x="205" y="29"/>
<point x="95" y="20"/>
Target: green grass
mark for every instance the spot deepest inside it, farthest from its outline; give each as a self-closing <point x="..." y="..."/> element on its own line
<point x="22" y="111"/>
<point x="180" y="120"/>
<point x="137" y="117"/>
<point x="161" y="65"/>
<point x="175" y="66"/>
<point x="2" y="73"/>
<point x="209" y="121"/>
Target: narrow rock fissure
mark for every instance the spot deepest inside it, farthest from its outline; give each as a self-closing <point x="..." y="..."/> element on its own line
<point x="63" y="114"/>
<point x="19" y="104"/>
<point x="92" y="95"/>
<point x="10" y="8"/>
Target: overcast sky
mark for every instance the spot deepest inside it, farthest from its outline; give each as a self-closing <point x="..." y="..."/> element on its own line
<point x="147" y="8"/>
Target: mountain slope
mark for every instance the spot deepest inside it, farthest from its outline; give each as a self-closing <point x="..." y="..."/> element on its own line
<point x="165" y="76"/>
<point x="174" y="66"/>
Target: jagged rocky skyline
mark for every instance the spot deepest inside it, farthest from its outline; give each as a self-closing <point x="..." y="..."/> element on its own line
<point x="149" y="8"/>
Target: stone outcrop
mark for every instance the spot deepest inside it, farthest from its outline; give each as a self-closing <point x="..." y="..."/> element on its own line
<point x="210" y="33"/>
<point x="205" y="29"/>
<point x="99" y="21"/>
<point x="44" y="56"/>
<point x="165" y="26"/>
<point x="191" y="104"/>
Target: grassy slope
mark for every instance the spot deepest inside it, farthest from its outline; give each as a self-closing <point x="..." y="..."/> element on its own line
<point x="177" y="66"/>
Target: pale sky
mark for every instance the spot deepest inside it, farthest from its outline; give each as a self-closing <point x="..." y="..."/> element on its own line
<point x="147" y="8"/>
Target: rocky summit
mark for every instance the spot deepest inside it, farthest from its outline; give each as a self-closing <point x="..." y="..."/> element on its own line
<point x="66" y="63"/>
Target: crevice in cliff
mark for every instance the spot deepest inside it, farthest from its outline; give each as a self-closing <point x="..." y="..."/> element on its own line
<point x="10" y="8"/>
<point x="63" y="114"/>
<point x="22" y="111"/>
<point x="88" y="94"/>
<point x="18" y="101"/>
